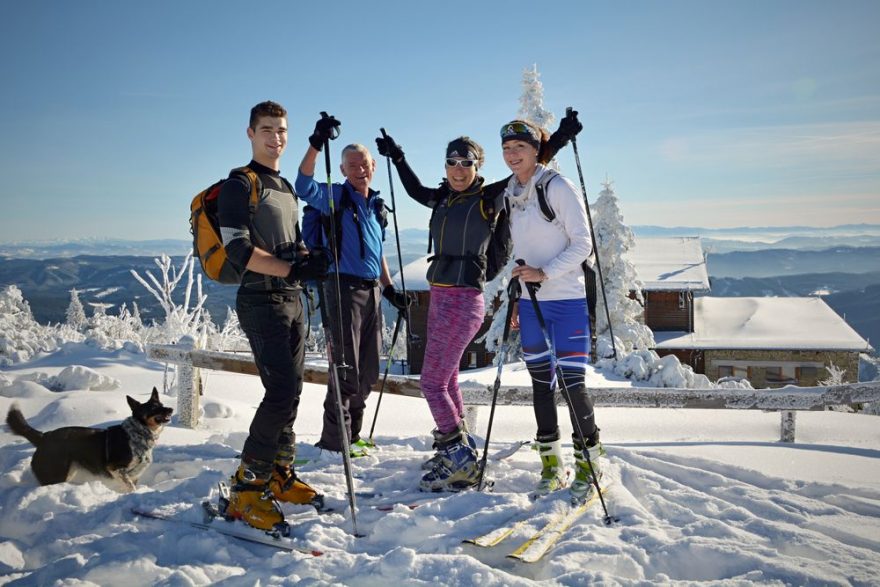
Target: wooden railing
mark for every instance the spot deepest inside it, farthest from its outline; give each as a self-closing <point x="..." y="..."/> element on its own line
<point x="786" y="400"/>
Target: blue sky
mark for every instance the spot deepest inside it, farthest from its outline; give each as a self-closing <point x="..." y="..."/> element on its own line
<point x="113" y="114"/>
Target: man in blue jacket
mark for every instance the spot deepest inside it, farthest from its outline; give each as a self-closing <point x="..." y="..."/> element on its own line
<point x="363" y="278"/>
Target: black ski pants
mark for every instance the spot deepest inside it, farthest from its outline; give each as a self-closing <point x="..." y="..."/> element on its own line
<point x="359" y="306"/>
<point x="273" y="323"/>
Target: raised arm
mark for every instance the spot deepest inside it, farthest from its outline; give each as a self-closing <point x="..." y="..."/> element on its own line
<point x="411" y="183"/>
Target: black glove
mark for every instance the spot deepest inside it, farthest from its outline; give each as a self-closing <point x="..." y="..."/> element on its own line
<point x="396" y="298"/>
<point x="570" y="126"/>
<point x="388" y="148"/>
<point x="568" y="129"/>
<point x="309" y="267"/>
<point x="326" y="129"/>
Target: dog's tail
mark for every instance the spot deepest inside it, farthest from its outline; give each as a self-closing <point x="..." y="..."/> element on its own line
<point x="18" y="425"/>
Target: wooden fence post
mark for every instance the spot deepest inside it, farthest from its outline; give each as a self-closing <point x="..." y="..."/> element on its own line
<point x="470" y="418"/>
<point x="189" y="387"/>
<point x="787" y="426"/>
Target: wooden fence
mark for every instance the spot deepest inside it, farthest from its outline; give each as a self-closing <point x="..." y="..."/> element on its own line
<point x="786" y="400"/>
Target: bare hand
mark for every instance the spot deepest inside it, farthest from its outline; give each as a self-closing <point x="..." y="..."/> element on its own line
<point x="529" y="274"/>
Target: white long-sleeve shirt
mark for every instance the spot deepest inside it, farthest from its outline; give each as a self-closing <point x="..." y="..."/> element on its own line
<point x="557" y="247"/>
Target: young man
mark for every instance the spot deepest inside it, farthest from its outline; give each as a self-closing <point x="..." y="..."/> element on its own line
<point x="362" y="270"/>
<point x="263" y="242"/>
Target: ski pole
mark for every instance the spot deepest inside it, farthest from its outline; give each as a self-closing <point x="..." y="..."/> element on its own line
<point x="577" y="160"/>
<point x="334" y="248"/>
<point x="343" y="433"/>
<point x="409" y="335"/>
<point x="513" y="291"/>
<point x="532" y="288"/>
<point x="385" y="376"/>
<point x="336" y="362"/>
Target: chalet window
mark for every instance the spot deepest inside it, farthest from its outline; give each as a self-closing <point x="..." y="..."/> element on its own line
<point x="733" y="371"/>
<point x="807" y="372"/>
<point x="472" y="360"/>
<point x="782" y="375"/>
<point x="682" y="301"/>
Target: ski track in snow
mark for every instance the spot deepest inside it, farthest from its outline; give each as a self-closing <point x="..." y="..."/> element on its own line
<point x="681" y="519"/>
<point x="684" y="519"/>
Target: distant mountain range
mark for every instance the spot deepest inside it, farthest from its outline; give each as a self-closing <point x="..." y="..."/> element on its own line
<point x="846" y="273"/>
<point x="414" y="241"/>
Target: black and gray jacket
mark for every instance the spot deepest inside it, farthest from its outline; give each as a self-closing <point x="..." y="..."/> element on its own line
<point x="273" y="228"/>
<point x="462" y="226"/>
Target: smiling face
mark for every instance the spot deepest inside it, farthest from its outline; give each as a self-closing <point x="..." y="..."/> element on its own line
<point x="459" y="177"/>
<point x="521" y="158"/>
<point x="358" y="166"/>
<point x="268" y="139"/>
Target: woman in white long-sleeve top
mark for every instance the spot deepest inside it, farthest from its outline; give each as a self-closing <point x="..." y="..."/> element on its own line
<point x="553" y="251"/>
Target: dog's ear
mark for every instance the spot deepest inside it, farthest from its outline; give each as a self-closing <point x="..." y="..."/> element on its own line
<point x="154" y="397"/>
<point x="132" y="403"/>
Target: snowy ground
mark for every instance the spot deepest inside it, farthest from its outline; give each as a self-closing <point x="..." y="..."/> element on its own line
<point x="702" y="496"/>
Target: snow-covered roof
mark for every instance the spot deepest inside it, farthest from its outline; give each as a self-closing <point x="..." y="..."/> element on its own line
<point x="765" y="324"/>
<point x="675" y="263"/>
<point x="415" y="274"/>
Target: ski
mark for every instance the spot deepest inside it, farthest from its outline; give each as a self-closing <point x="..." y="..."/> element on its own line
<point x="508" y="452"/>
<point x="498" y="534"/>
<point x="533" y="549"/>
<point x="214" y="524"/>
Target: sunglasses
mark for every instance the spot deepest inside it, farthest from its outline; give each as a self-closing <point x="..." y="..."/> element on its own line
<point x="460" y="162"/>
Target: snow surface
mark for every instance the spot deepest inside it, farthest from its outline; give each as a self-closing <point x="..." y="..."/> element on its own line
<point x="670" y="264"/>
<point x="765" y="323"/>
<point x="703" y="497"/>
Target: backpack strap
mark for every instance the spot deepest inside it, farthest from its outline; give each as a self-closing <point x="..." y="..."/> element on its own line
<point x="348" y="202"/>
<point x="543" y="204"/>
<point x="297" y="230"/>
<point x="256" y="186"/>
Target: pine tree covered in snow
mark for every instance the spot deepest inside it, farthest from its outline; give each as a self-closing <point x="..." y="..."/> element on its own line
<point x="76" y="315"/>
<point x="531" y="102"/>
<point x="614" y="239"/>
<point x="21" y="337"/>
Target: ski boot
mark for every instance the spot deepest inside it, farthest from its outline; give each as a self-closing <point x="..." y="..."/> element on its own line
<point x="552" y="471"/>
<point x="361" y="448"/>
<point x="582" y="487"/>
<point x="457" y="467"/>
<point x="438" y="455"/>
<point x="251" y="501"/>
<point x="287" y="487"/>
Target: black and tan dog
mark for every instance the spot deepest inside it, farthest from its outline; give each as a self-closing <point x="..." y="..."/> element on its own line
<point x="122" y="452"/>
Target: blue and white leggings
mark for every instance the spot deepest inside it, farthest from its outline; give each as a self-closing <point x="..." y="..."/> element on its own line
<point x="568" y="327"/>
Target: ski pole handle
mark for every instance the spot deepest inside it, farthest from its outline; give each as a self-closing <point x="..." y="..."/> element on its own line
<point x="568" y="112"/>
<point x="531" y="286"/>
<point x="334" y="131"/>
<point x="384" y="134"/>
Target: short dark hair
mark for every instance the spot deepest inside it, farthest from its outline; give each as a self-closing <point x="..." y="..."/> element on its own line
<point x="267" y="108"/>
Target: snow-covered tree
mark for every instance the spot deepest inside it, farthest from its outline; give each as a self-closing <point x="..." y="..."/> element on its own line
<point x="614" y="239"/>
<point x="531" y="101"/>
<point x="836" y="376"/>
<point x="21" y="337"/>
<point x="494" y="293"/>
<point x="188" y="317"/>
<point x="76" y="314"/>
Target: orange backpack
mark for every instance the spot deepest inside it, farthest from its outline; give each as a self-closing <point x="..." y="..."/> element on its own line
<point x="205" y="228"/>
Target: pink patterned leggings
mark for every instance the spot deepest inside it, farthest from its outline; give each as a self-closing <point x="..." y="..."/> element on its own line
<point x="454" y="317"/>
